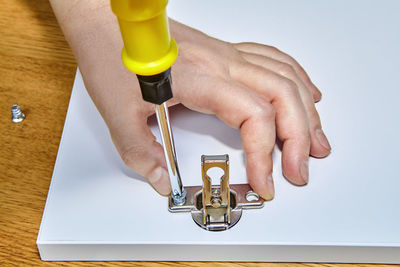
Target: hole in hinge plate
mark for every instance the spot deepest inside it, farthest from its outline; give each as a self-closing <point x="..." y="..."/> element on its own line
<point x="215" y="173"/>
<point x="252" y="196"/>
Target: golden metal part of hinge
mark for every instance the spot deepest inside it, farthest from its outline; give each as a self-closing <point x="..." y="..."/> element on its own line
<point x="217" y="207"/>
<point x="216" y="198"/>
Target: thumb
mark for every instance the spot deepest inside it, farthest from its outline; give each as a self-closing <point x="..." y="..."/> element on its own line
<point x="140" y="151"/>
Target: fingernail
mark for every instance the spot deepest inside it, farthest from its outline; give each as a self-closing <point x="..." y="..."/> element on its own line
<point x="270" y="188"/>
<point x="322" y="139"/>
<point x="304" y="171"/>
<point x="159" y="180"/>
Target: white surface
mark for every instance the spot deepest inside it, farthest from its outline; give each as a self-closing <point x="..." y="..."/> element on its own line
<point x="350" y="209"/>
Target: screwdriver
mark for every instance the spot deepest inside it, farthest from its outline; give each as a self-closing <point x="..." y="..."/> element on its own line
<point x="149" y="52"/>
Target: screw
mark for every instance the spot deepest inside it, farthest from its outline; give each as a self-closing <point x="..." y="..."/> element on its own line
<point x="216" y="201"/>
<point x="16" y="114"/>
<point x="179" y="200"/>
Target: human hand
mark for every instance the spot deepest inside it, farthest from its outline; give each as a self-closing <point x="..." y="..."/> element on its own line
<point x="259" y="90"/>
<point x="251" y="87"/>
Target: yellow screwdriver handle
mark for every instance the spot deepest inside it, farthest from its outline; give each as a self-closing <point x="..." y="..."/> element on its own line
<point x="148" y="46"/>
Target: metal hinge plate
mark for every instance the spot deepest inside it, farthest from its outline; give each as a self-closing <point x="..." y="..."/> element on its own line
<point x="217" y="207"/>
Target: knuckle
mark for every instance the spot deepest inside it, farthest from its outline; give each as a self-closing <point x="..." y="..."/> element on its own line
<point x="264" y="110"/>
<point x="130" y="155"/>
<point x="286" y="70"/>
<point x="138" y="158"/>
<point x="289" y="87"/>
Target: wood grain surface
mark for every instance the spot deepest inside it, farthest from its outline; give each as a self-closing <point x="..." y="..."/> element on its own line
<point x="37" y="71"/>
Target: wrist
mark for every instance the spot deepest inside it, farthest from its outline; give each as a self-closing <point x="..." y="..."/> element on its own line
<point x="85" y="24"/>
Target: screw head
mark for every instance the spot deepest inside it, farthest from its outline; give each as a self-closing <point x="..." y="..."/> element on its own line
<point x="179" y="200"/>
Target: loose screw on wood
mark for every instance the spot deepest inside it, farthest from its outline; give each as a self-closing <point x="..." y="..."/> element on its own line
<point x="16" y="114"/>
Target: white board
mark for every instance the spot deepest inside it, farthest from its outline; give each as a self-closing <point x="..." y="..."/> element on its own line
<point x="97" y="209"/>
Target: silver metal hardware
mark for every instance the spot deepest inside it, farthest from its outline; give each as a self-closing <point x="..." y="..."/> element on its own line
<point x="16" y="114"/>
<point x="217" y="207"/>
<point x="178" y="194"/>
<point x="179" y="200"/>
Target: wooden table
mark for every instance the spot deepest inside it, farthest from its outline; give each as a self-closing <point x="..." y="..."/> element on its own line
<point x="37" y="71"/>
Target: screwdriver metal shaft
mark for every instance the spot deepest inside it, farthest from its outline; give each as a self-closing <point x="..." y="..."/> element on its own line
<point x="178" y="192"/>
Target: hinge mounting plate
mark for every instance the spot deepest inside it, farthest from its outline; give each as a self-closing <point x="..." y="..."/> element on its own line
<point x="217" y="207"/>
